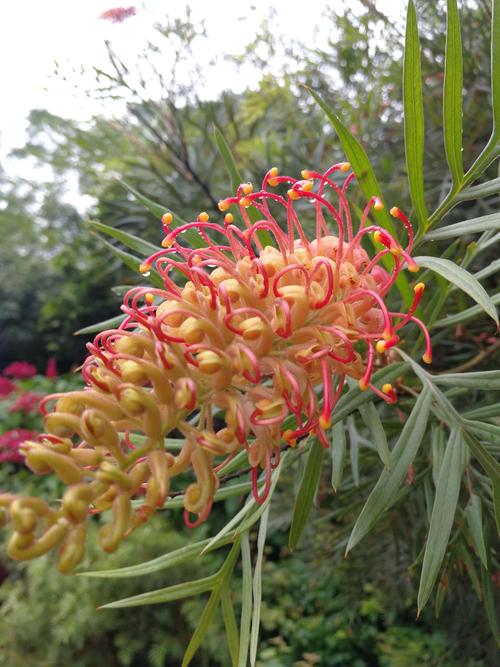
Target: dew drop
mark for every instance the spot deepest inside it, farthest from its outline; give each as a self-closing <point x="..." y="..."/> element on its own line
<point x="148" y="273"/>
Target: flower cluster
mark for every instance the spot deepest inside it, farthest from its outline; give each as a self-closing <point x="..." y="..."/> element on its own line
<point x="21" y="370"/>
<point x="118" y="14"/>
<point x="247" y="347"/>
<point x="10" y="442"/>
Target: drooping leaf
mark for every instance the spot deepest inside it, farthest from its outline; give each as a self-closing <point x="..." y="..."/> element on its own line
<point x="337" y="449"/>
<point x="473" y="226"/>
<point x="443" y="514"/>
<point x="371" y="417"/>
<point x="495" y="67"/>
<point x="257" y="587"/>
<point x="462" y="279"/>
<point x="246" y="600"/>
<point x="414" y="116"/>
<point x="306" y="493"/>
<point x="112" y="323"/>
<point x="474" y="516"/>
<point x="452" y="94"/>
<point x="228" y="615"/>
<point x="205" y="621"/>
<point x="402" y="456"/>
<point x="489" y="465"/>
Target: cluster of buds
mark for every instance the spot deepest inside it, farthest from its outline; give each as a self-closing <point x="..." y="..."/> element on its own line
<point x="258" y="328"/>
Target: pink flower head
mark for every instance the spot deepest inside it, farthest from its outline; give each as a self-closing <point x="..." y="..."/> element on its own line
<point x="246" y="347"/>
<point x="51" y="368"/>
<point x="10" y="442"/>
<point x="118" y="14"/>
<point x="20" y="370"/>
<point x="27" y="402"/>
<point x="6" y="387"/>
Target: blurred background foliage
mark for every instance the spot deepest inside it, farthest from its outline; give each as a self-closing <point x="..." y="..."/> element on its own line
<point x="56" y="277"/>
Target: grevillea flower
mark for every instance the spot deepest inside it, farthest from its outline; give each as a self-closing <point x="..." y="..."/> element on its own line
<point x="21" y="370"/>
<point x="27" y="402"/>
<point x="118" y="14"/>
<point x="6" y="387"/>
<point x="10" y="442"/>
<point x="246" y="347"/>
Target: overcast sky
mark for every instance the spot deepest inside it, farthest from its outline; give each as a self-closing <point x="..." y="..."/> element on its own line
<point x="35" y="33"/>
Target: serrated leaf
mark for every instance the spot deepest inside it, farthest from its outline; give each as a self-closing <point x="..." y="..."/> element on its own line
<point x="443" y="514"/>
<point x="371" y="418"/>
<point x="452" y="94"/>
<point x="112" y="323"/>
<point x="337" y="449"/>
<point x="129" y="240"/>
<point x="306" y="493"/>
<point x="389" y="482"/>
<point x="474" y="516"/>
<point x="462" y="279"/>
<point x="472" y="226"/>
<point x="246" y="600"/>
<point x="413" y="110"/>
<point x="168" y="594"/>
<point x="257" y="587"/>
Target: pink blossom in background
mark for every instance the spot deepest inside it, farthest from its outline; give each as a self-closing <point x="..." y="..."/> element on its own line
<point x="10" y="442"/>
<point x="118" y="14"/>
<point x="6" y="387"/>
<point x="20" y="370"/>
<point x="51" y="368"/>
<point x="27" y="402"/>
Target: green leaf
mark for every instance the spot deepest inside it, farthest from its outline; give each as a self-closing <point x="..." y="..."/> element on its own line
<point x="229" y="618"/>
<point x="306" y="493"/>
<point x="132" y="262"/>
<point x="489" y="602"/>
<point x="474" y="516"/>
<point x="462" y="279"/>
<point x="443" y="514"/>
<point x="495" y="67"/>
<point x="465" y="315"/>
<point x="177" y="592"/>
<point x="489" y="465"/>
<point x="129" y="240"/>
<point x="236" y="180"/>
<point x="205" y="621"/>
<point x="182" y="555"/>
<point x="337" y="449"/>
<point x="464" y="555"/>
<point x="487" y="380"/>
<point x="371" y="418"/>
<point x="112" y="323"/>
<point x="473" y="226"/>
<point x="246" y="600"/>
<point x="414" y="116"/>
<point x="389" y="481"/>
<point x="452" y="94"/>
<point x="191" y="235"/>
<point x="486" y="189"/>
<point x="257" y="587"/>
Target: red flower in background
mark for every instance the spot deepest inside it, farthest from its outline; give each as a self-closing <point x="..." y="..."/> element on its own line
<point x="20" y="370"/>
<point x="10" y="442"/>
<point x="6" y="387"/>
<point x="118" y="14"/>
<point x="27" y="402"/>
<point x="51" y="368"/>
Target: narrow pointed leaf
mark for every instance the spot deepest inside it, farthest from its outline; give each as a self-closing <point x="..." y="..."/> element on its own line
<point x="472" y="226"/>
<point x="489" y="602"/>
<point x="177" y="592"/>
<point x="257" y="587"/>
<point x="306" y="493"/>
<point x="132" y="242"/>
<point x="112" y="323"/>
<point x="443" y="514"/>
<point x="205" y="621"/>
<point x="390" y="481"/>
<point x="371" y="417"/>
<point x="462" y="279"/>
<point x="337" y="449"/>
<point x="489" y="465"/>
<point x="495" y="67"/>
<point x="474" y="516"/>
<point x="246" y="601"/>
<point x="465" y="315"/>
<point x="487" y="380"/>
<point x="414" y="116"/>
<point x="452" y="94"/>
<point x="132" y="262"/>
<point x="228" y="615"/>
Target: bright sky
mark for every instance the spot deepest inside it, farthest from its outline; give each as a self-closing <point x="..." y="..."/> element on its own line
<point x="35" y="33"/>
